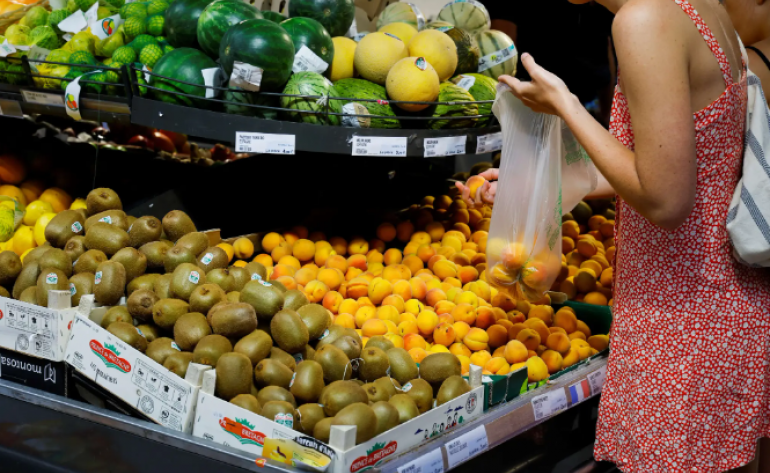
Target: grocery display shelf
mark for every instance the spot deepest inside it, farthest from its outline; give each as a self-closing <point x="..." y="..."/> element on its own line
<point x="58" y="434"/>
<point x="16" y="101"/>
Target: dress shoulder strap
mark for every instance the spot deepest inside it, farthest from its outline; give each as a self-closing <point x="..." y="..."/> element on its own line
<point x="708" y="36"/>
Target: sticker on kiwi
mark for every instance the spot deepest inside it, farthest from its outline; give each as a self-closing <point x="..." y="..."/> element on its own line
<point x="293" y="376"/>
<point x="393" y="36"/>
<point x="98" y="277"/>
<point x="73" y="289"/>
<point x="130" y="227"/>
<point x="207" y="258"/>
<point x="175" y="346"/>
<point x="421" y="63"/>
<point x="256" y="277"/>
<point x="106" y="219"/>
<point x="76" y="227"/>
<point x="298" y="357"/>
<point x="405" y="388"/>
<point x="140" y="332"/>
<point x="264" y="283"/>
<point x="325" y="334"/>
<point x="195" y="276"/>
<point x="285" y="419"/>
<point x="51" y="278"/>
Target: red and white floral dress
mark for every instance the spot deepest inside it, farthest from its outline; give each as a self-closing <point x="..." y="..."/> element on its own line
<point x="688" y="376"/>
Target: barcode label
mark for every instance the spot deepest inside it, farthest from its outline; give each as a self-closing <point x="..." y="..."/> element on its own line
<point x="379" y="146"/>
<point x="489" y="143"/>
<point x="6" y="49"/>
<point x="466" y="446"/>
<point x="549" y="404"/>
<point x="306" y="60"/>
<point x="596" y="380"/>
<point x="447" y="146"/>
<point x="498" y="57"/>
<point x="265" y="143"/>
<point x="246" y="76"/>
<point x="42" y="98"/>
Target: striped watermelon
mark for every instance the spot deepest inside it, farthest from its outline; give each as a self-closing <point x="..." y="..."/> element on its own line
<point x="496" y="47"/>
<point x="481" y="88"/>
<point x="313" y="84"/>
<point x="363" y="89"/>
<point x="237" y="100"/>
<point x="401" y="13"/>
<point x="469" y="15"/>
<point x="335" y="15"/>
<point x="310" y="33"/>
<point x="448" y="92"/>
<point x="217" y="18"/>
<point x="181" y="26"/>
<point x="185" y="65"/>
<point x="273" y="16"/>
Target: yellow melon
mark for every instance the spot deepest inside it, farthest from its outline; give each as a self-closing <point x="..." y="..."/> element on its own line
<point x="412" y="79"/>
<point x="376" y="54"/>
<point x="438" y="49"/>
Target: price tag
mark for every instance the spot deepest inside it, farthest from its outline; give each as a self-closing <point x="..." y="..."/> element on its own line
<point x="211" y="78"/>
<point x="42" y="98"/>
<point x="265" y="143"/>
<point x="307" y="60"/>
<point x="246" y="76"/>
<point x="549" y="404"/>
<point x="74" y="23"/>
<point x="38" y="53"/>
<point x="596" y="380"/>
<point x="379" y="146"/>
<point x="6" y="49"/>
<point x="432" y="462"/>
<point x="498" y="57"/>
<point x="466" y="82"/>
<point x="489" y="143"/>
<point x="92" y="15"/>
<point x="447" y="146"/>
<point x="466" y="446"/>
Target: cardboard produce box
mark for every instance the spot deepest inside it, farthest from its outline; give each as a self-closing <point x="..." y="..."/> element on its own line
<point x="50" y="376"/>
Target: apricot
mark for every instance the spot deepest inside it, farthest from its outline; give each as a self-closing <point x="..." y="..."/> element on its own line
<point x="426" y="275"/>
<point x="464" y="313"/>
<point x="395" y="339"/>
<point x="435" y="259"/>
<point x="496" y="364"/>
<point x="395" y="272"/>
<point x="515" y="352"/>
<point x="357" y="288"/>
<point x="305" y="275"/>
<point x="413" y="263"/>
<point x="406" y="327"/>
<point x="337" y="262"/>
<point x="427" y="322"/>
<point x="392" y="256"/>
<point x="433" y="297"/>
<point x="414" y="340"/>
<point x="529" y="337"/>
<point x="331" y="277"/>
<point x="435" y="230"/>
<point x="434" y="283"/>
<point x="348" y="306"/>
<point x="559" y="342"/>
<point x="542" y="312"/>
<point x="468" y="274"/>
<point x="480" y="358"/>
<point x="537" y="370"/>
<point x="461" y="216"/>
<point x="363" y="314"/>
<point x="577" y="336"/>
<point x="375" y="269"/>
<point x="446" y="251"/>
<point x="570" y="358"/>
<point x="586" y="247"/>
<point x="322" y="255"/>
<point x="582" y="327"/>
<point x="476" y="339"/>
<point x="566" y="320"/>
<point x="357" y="261"/>
<point x="553" y="360"/>
<point x="386" y="232"/>
<point x="593" y="265"/>
<point x="446" y="319"/>
<point x="339" y="245"/>
<point x="303" y="250"/>
<point x="345" y="320"/>
<point x="516" y="317"/>
<point x="421" y="238"/>
<point x="377" y="245"/>
<point x="483" y="315"/>
<point x="418" y="354"/>
<point x="599" y="342"/>
<point x="404" y="231"/>
<point x="444" y="307"/>
<point x="452" y="294"/>
<point x="358" y="246"/>
<point x="458" y="349"/>
<point x="332" y="301"/>
<point x="540" y="327"/>
<point x="414" y="306"/>
<point x="283" y="270"/>
<point x="444" y="335"/>
<point x="379" y="289"/>
<point x="374" y="256"/>
<point x="497" y="336"/>
<point x="418" y="288"/>
<point x="474" y="184"/>
<point x="535" y="275"/>
<point x="373" y="327"/>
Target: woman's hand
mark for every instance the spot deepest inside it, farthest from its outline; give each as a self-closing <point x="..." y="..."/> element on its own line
<point x="484" y="194"/>
<point x="546" y="93"/>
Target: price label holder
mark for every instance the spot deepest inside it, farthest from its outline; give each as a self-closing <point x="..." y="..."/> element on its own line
<point x="264" y="143"/>
<point x="549" y="404"/>
<point x="489" y="143"/>
<point x="43" y="98"/>
<point x="431" y="462"/>
<point x="446" y="146"/>
<point x="11" y="108"/>
<point x="379" y="146"/>
<point x="596" y="380"/>
<point x="466" y="446"/>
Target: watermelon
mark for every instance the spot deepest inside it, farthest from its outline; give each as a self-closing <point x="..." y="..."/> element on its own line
<point x="401" y="13"/>
<point x="181" y="27"/>
<point x="496" y="47"/>
<point x="363" y="89"/>
<point x="260" y="43"/>
<point x="335" y="15"/>
<point x="182" y="64"/>
<point x="310" y="33"/>
<point x="236" y="101"/>
<point x="448" y="92"/>
<point x="481" y="88"/>
<point x="273" y="16"/>
<point x="217" y="18"/>
<point x="313" y="84"/>
<point x="469" y="15"/>
<point x="467" y="50"/>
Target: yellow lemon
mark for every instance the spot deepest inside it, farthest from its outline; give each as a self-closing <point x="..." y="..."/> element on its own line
<point x="14" y="193"/>
<point x="244" y="248"/>
<point x="438" y="49"/>
<point x="35" y="210"/>
<point x="24" y="255"/>
<point x="240" y="264"/>
<point x="412" y="79"/>
<point x="58" y="199"/>
<point x="228" y="249"/>
<point x="78" y="203"/>
<point x="377" y="53"/>
<point x="23" y="240"/>
<point x="404" y="31"/>
<point x="344" y="54"/>
<point x="40" y="225"/>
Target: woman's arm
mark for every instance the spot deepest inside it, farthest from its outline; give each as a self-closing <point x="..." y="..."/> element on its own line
<point x="658" y="178"/>
<point x="603" y="189"/>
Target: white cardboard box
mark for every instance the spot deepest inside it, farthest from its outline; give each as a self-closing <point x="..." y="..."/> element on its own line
<point x="130" y="375"/>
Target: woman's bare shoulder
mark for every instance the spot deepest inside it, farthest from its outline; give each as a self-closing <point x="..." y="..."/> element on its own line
<point x="646" y="21"/>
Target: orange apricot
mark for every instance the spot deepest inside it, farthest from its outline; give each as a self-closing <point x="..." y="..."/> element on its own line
<point x="374" y="327"/>
<point x="414" y="307"/>
<point x="331" y="277"/>
<point x="414" y="340"/>
<point x="417" y="354"/>
<point x="582" y="327"/>
<point x="345" y="320"/>
<point x="337" y="262"/>
<point x="386" y="232"/>
<point x="435" y="230"/>
<point x="388" y="312"/>
<point x="413" y="263"/>
<point x="497" y="365"/>
<point x="379" y="289"/>
<point x="404" y="230"/>
<point x="374" y="256"/>
<point x="461" y="330"/>
<point x="332" y="301"/>
<point x="476" y="339"/>
<point x="305" y="275"/>
<point x="427" y="322"/>
<point x="515" y="352"/>
<point x="408" y="326"/>
<point x="529" y="337"/>
<point x="539" y="326"/>
<point x="434" y="296"/>
<point x="357" y="288"/>
<point x="566" y="320"/>
<point x="357" y="261"/>
<point x="558" y="342"/>
<point x="418" y="287"/>
<point x="485" y="317"/>
<point x="288" y="282"/>
<point x="304" y="250"/>
<point x="464" y="313"/>
<point x="480" y="358"/>
<point x="271" y="241"/>
<point x="497" y="336"/>
<point x="458" y="349"/>
<point x="553" y="360"/>
<point x="395" y="272"/>
<point x="363" y="314"/>
<point x="444" y="334"/>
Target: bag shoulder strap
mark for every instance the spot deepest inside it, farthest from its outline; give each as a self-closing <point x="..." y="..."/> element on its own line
<point x="761" y="55"/>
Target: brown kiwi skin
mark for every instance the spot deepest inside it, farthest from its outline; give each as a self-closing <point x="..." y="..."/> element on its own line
<point x="144" y="230"/>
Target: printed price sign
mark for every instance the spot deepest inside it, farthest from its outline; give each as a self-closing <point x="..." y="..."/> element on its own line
<point x="466" y="446"/>
<point x="265" y="143"/>
<point x="307" y="60"/>
<point x="42" y="98"/>
<point x="432" y="462"/>
<point x="447" y="146"/>
<point x="489" y="143"/>
<point x="549" y="404"/>
<point x="379" y="146"/>
<point x="596" y="380"/>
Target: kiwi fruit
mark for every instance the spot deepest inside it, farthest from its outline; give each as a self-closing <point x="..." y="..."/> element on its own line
<point x="113" y="217"/>
<point x="162" y="286"/>
<point x="380" y="342"/>
<point x="278" y="287"/>
<point x="83" y="216"/>
<point x="279" y="411"/>
<point x="88" y="261"/>
<point x="10" y="267"/>
<point x="29" y="295"/>
<point x="155" y="252"/>
<point x="210" y="348"/>
<point x="107" y="238"/>
<point x="185" y="279"/>
<point x="143" y="231"/>
<point x="240" y="277"/>
<point x="288" y="331"/>
<point x="65" y="225"/>
<point x="439" y="366"/>
<point x="451" y="388"/>
<point x="294" y="299"/>
<point x="177" y="256"/>
<point x="275" y="393"/>
<point x="360" y="415"/>
<point x="336" y="365"/>
<point x="176" y="224"/>
<point x="160" y="349"/>
<point x="422" y="393"/>
<point x="341" y="394"/>
<point x="248" y="402"/>
<point x="50" y="279"/>
<point x="206" y="296"/>
<point x="255" y="269"/>
<point x="272" y="373"/>
<point x="75" y="247"/>
<point x="307" y="353"/>
<point x="375" y="393"/>
<point x="388" y="385"/>
<point x="402" y="366"/>
<point x="4" y="292"/>
<point x="102" y="199"/>
<point x="233" y="320"/>
<point x="387" y="416"/>
<point x="116" y="314"/>
<point x="351" y="346"/>
<point x="133" y="261"/>
<point x="316" y="317"/>
<point x="285" y="358"/>
<point x="213" y="258"/>
<point x="234" y="296"/>
<point x="309" y="415"/>
<point x="233" y="375"/>
<point x="190" y="329"/>
<point x="255" y="345"/>
<point x="330" y="336"/>
<point x="150" y="331"/>
<point x="266" y="301"/>
<point x="374" y="364"/>
<point x="35" y="254"/>
<point x="129" y="334"/>
<point x="178" y="363"/>
<point x="222" y="278"/>
<point x="322" y="429"/>
<point x="140" y="304"/>
<point x="109" y="283"/>
<point x="308" y="382"/>
<point x="166" y="312"/>
<point x="26" y="278"/>
<point x="196" y="242"/>
<point x="406" y="407"/>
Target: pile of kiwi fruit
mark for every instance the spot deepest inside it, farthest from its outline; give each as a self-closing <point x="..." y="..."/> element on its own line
<point x="174" y="298"/>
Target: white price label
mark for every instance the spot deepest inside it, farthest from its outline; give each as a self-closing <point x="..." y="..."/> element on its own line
<point x="92" y="16"/>
<point x="246" y="76"/>
<point x="466" y="446"/>
<point x="265" y="143"/>
<point x="42" y="98"/>
<point x="355" y="115"/>
<point x="447" y="146"/>
<point x="466" y="82"/>
<point x="38" y="53"/>
<point x="211" y="78"/>
<point x="431" y="462"/>
<point x="353" y="30"/>
<point x="379" y="146"/>
<point x="489" y="143"/>
<point x="306" y="60"/>
<point x="6" y="49"/>
<point x="549" y="404"/>
<point x="596" y="380"/>
<point x="419" y="15"/>
<point x="498" y="57"/>
<point x="74" y="23"/>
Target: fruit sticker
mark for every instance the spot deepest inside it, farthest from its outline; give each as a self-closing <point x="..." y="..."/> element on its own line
<point x="106" y="219"/>
<point x="498" y="57"/>
<point x="195" y="276"/>
<point x="405" y="388"/>
<point x="106" y="27"/>
<point x="207" y="258"/>
<point x="293" y="376"/>
<point x="98" y="277"/>
<point x="76" y="227"/>
<point x="175" y="346"/>
<point x="421" y="63"/>
<point x="285" y="419"/>
<point x="73" y="289"/>
<point x="71" y="102"/>
<point x="256" y="277"/>
<point x="51" y="278"/>
<point x="393" y="36"/>
<point x="140" y="332"/>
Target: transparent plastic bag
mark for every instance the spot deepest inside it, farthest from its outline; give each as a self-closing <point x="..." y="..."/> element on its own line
<point x="579" y="176"/>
